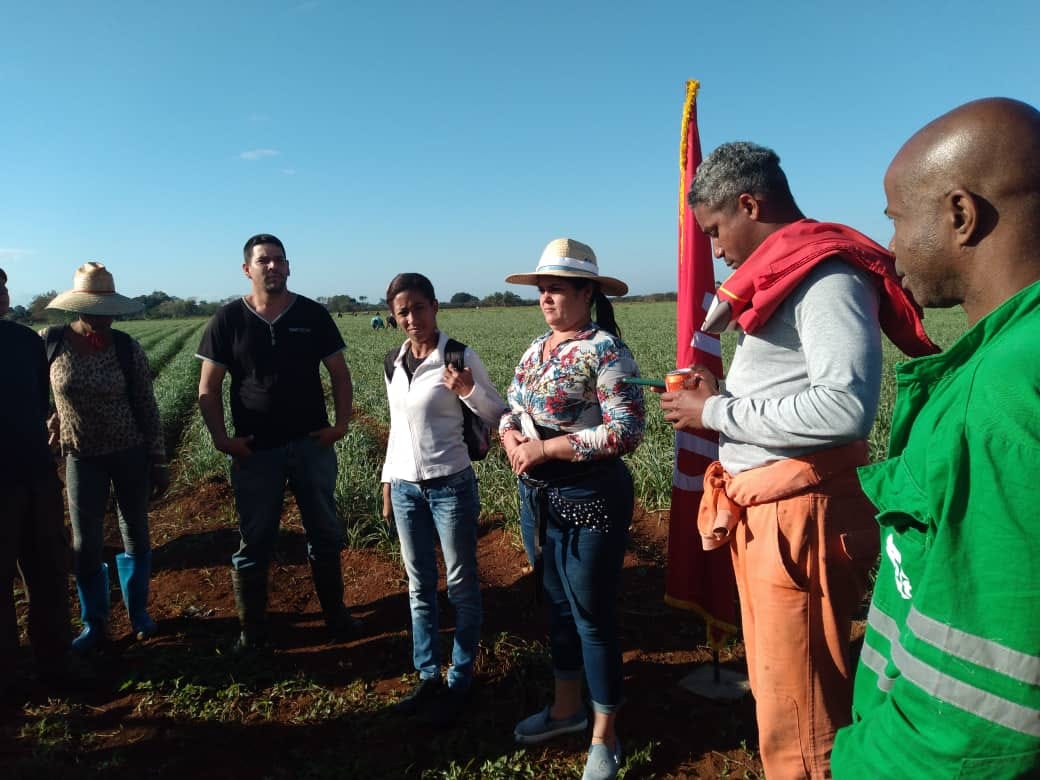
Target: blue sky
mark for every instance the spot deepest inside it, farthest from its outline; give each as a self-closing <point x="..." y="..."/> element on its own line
<point x="453" y="138"/>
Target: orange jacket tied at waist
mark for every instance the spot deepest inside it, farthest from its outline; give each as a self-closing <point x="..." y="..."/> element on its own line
<point x="726" y="496"/>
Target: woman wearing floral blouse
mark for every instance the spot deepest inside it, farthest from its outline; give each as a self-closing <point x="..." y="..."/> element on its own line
<point x="570" y="419"/>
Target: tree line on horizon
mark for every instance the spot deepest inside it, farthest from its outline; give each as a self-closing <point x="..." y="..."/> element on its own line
<point x="160" y="306"/>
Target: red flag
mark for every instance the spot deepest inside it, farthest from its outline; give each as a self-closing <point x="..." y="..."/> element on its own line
<point x="697" y="580"/>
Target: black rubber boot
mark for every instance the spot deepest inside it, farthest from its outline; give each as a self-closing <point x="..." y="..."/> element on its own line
<point x="328" y="584"/>
<point x="251" y="601"/>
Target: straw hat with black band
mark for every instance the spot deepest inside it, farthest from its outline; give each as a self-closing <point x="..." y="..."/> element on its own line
<point x="574" y="260"/>
<point x="94" y="292"/>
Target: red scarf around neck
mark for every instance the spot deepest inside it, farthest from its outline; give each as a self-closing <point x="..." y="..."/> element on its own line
<point x="780" y="263"/>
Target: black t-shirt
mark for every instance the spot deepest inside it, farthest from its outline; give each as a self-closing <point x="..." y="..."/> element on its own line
<point x="24" y="404"/>
<point x="275" y="367"/>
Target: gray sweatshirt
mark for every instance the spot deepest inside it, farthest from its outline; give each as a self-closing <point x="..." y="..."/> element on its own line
<point x="809" y="379"/>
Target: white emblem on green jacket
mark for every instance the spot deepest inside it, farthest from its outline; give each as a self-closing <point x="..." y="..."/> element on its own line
<point x="902" y="581"/>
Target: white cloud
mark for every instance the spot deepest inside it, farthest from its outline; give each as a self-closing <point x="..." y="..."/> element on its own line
<point x="259" y="154"/>
<point x="7" y="254"/>
<point x="289" y="171"/>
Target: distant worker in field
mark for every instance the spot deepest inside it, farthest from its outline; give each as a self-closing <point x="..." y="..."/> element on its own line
<point x="391" y="321"/>
<point x="948" y="682"/>
<point x="32" y="526"/>
<point x="800" y="399"/>
<point x="377" y="323"/>
<point x="273" y="342"/>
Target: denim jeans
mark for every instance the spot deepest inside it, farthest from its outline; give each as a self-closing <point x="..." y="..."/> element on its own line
<point x="586" y="537"/>
<point x="259" y="484"/>
<point x="446" y="508"/>
<point x="87" y="480"/>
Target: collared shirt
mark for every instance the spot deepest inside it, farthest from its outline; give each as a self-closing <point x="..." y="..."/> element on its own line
<point x="425" y="440"/>
<point x="276" y="391"/>
<point x="949" y="676"/>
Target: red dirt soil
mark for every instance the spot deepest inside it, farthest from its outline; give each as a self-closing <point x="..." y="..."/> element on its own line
<point x="193" y="536"/>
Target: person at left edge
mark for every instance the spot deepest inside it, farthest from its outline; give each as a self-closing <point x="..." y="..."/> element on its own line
<point x="32" y="530"/>
<point x="273" y="342"/>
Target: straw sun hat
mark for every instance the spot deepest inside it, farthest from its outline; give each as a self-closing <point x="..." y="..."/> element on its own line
<point x="94" y="292"/>
<point x="573" y="259"/>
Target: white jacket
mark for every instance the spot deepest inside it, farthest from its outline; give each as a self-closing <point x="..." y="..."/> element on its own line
<point x="425" y="439"/>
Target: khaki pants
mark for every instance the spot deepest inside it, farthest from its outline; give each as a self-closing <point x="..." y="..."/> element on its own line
<point x="33" y="538"/>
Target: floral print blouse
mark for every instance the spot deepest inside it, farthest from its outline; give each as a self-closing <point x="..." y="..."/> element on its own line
<point x="579" y="391"/>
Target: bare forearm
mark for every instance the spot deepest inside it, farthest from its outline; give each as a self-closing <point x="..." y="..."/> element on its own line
<point x="342" y="392"/>
<point x="343" y="399"/>
<point x="211" y="406"/>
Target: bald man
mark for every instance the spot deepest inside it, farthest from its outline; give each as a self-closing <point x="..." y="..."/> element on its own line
<point x="948" y="683"/>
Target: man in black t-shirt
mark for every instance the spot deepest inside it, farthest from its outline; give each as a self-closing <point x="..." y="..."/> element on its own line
<point x="32" y="529"/>
<point x="273" y="343"/>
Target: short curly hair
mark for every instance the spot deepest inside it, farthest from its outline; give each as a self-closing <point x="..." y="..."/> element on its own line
<point x="736" y="168"/>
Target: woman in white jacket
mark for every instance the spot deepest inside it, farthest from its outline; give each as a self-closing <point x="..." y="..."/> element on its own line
<point x="430" y="491"/>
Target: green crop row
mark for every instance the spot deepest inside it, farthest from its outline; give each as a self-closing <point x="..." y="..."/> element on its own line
<point x="174" y="340"/>
<point x="176" y="388"/>
<point x="499" y="336"/>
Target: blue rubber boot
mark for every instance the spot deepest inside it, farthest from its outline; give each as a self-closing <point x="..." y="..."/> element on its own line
<point x="93" y="609"/>
<point x="134" y="573"/>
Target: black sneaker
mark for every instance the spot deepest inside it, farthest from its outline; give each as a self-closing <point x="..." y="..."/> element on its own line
<point x="344" y="627"/>
<point x="446" y="709"/>
<point x="421" y="695"/>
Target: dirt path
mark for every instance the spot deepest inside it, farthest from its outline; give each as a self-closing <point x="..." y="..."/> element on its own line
<point x="177" y="704"/>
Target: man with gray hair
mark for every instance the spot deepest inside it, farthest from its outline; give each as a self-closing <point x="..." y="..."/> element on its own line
<point x="812" y="300"/>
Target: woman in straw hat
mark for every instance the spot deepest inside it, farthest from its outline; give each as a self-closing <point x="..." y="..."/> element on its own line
<point x="571" y="417"/>
<point x="110" y="435"/>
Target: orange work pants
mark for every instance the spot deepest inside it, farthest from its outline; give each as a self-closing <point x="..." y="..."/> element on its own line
<point x="802" y="565"/>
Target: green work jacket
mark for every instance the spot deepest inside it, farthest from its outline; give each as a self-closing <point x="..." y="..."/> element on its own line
<point x="948" y="683"/>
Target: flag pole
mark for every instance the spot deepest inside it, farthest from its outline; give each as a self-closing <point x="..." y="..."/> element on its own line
<point x="698" y="581"/>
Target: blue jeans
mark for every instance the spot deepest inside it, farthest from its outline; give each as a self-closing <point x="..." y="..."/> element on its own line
<point x="87" y="480"/>
<point x="586" y="537"/>
<point x="259" y="484"/>
<point x="446" y="508"/>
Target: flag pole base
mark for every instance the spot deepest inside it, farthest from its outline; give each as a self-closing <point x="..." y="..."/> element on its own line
<point x="715" y="683"/>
